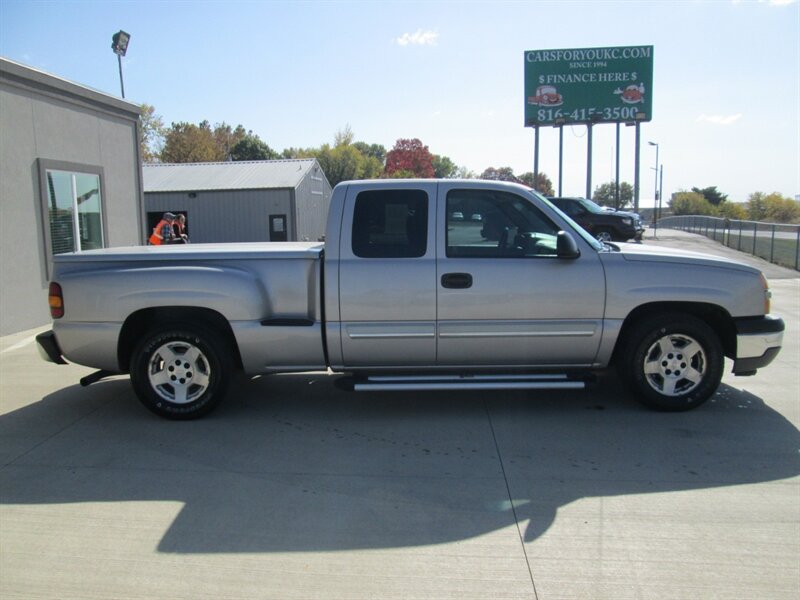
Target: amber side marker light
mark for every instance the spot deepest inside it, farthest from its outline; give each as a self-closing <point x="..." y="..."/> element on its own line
<point x="767" y="294"/>
<point x="55" y="299"/>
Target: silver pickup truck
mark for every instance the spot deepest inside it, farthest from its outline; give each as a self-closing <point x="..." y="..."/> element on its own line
<point x="421" y="284"/>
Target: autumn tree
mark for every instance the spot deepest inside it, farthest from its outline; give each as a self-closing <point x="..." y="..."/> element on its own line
<point x="501" y="174"/>
<point x="774" y="208"/>
<point x="690" y="203"/>
<point x="410" y="156"/>
<point x="189" y="143"/>
<point x="781" y="209"/>
<point x="543" y="185"/>
<point x="151" y="133"/>
<point x="605" y="194"/>
<point x="186" y="142"/>
<point x="732" y="210"/>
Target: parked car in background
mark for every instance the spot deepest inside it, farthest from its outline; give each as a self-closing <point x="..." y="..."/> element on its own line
<point x="606" y="226"/>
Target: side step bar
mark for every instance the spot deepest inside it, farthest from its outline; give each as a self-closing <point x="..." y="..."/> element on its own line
<point x="413" y="383"/>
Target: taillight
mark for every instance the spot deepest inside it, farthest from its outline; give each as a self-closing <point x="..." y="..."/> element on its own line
<point x="56" y="300"/>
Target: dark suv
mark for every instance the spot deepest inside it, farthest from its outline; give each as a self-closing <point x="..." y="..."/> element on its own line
<point x="606" y="226"/>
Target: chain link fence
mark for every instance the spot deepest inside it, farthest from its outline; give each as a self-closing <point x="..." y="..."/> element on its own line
<point x="776" y="242"/>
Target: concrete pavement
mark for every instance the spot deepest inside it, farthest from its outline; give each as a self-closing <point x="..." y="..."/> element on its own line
<point x="294" y="489"/>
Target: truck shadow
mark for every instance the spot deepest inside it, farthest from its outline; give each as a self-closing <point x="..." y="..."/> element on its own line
<point x="289" y="463"/>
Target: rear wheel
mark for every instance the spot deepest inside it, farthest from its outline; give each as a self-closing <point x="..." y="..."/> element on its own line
<point x="672" y="362"/>
<point x="181" y="371"/>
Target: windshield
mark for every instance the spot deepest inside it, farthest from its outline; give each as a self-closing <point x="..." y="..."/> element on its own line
<point x="576" y="228"/>
<point x="592" y="206"/>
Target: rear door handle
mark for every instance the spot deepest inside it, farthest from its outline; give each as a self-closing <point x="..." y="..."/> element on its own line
<point x="456" y="281"/>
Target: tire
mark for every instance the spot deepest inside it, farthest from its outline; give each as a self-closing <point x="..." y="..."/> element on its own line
<point x="603" y="235"/>
<point x="181" y="371"/>
<point x="672" y="362"/>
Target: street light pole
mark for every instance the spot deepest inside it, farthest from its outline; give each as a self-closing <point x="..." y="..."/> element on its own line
<point x="121" y="82"/>
<point x="119" y="44"/>
<point x="655" y="192"/>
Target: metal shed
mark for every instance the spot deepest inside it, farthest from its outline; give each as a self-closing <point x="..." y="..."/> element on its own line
<point x="247" y="201"/>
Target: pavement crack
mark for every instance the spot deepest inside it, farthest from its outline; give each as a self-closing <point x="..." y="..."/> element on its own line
<point x="510" y="499"/>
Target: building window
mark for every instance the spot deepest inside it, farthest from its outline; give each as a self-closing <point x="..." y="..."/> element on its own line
<point x="72" y="207"/>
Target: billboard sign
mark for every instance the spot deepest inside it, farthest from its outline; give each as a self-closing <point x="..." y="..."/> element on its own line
<point x="588" y="85"/>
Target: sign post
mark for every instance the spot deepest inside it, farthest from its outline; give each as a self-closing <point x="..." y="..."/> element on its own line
<point x="590" y="86"/>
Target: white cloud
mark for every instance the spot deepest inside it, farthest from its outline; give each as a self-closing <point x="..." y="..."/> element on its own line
<point x="719" y="119"/>
<point x="418" y="38"/>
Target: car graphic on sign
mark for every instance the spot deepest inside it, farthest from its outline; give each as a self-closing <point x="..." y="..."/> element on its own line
<point x="546" y="95"/>
<point x="633" y="94"/>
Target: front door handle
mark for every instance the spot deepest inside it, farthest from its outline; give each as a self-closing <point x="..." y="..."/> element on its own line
<point x="456" y="281"/>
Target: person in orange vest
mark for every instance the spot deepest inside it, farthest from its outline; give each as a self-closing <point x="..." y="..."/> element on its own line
<point x="163" y="233"/>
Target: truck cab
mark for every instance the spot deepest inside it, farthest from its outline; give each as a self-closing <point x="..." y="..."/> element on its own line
<point x="617" y="226"/>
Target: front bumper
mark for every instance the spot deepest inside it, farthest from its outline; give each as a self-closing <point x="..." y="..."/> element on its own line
<point x="758" y="342"/>
<point x="48" y="348"/>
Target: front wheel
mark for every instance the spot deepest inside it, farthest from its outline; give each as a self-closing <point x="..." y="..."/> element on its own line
<point x="181" y="371"/>
<point x="672" y="362"/>
<point x="603" y="235"/>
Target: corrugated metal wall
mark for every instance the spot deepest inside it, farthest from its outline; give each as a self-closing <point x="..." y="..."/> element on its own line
<point x="313" y="198"/>
<point x="226" y="216"/>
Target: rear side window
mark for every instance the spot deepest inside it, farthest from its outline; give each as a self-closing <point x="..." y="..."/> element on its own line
<point x="390" y="224"/>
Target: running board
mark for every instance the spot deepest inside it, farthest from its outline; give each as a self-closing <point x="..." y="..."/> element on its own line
<point x="413" y="383"/>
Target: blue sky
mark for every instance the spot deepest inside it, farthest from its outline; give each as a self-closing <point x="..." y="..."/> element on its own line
<point x="726" y="89"/>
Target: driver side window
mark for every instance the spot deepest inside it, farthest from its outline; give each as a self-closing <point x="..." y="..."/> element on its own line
<point x="492" y="224"/>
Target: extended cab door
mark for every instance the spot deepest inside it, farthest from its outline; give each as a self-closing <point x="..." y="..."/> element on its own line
<point x="504" y="297"/>
<point x="387" y="275"/>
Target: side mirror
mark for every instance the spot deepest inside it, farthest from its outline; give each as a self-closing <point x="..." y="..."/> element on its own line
<point x="566" y="246"/>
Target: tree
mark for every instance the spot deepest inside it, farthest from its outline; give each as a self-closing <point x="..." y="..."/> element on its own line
<point x="774" y="208"/>
<point x="443" y="167"/>
<point x="375" y="151"/>
<point x="732" y="210"/>
<point x="151" y="133"/>
<point x="711" y="194"/>
<point x="346" y="159"/>
<point x="756" y="208"/>
<point x="226" y="137"/>
<point x="410" y="155"/>
<point x="252" y="148"/>
<point x="345" y="162"/>
<point x="343" y="137"/>
<point x="501" y="174"/>
<point x="465" y="173"/>
<point x="690" y="203"/>
<point x="605" y="194"/>
<point x="781" y="209"/>
<point x="187" y="143"/>
<point x="543" y="185"/>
